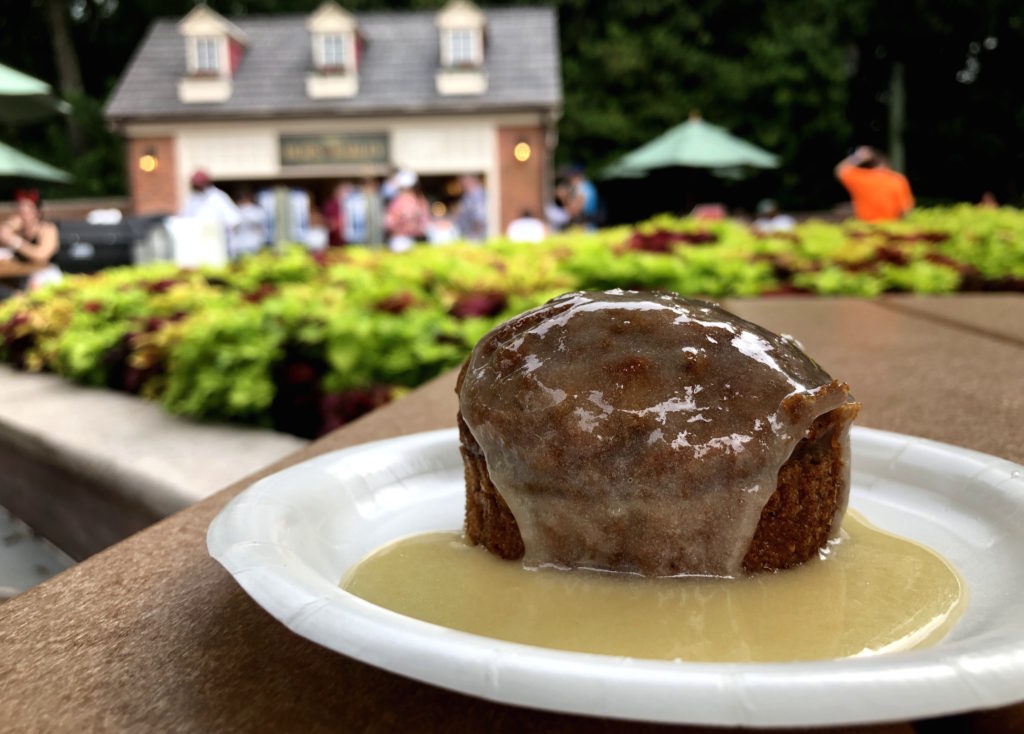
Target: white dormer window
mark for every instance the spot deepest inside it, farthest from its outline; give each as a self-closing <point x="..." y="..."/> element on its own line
<point x="213" y="50"/>
<point x="460" y="26"/>
<point x="461" y="47"/>
<point x="336" y="44"/>
<point x="207" y="55"/>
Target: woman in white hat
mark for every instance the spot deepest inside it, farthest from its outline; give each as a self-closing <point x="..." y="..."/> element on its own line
<point x="408" y="216"/>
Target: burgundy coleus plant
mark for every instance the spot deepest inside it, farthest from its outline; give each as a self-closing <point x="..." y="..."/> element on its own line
<point x="479" y="305"/>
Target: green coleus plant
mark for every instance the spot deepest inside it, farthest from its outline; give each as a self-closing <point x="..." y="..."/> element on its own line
<point x="306" y="342"/>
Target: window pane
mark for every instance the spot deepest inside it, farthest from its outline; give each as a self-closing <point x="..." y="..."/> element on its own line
<point x="334" y="51"/>
<point x="207" y="51"/>
<point x="460" y="47"/>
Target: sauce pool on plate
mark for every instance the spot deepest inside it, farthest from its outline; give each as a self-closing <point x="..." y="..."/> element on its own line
<point x="871" y="592"/>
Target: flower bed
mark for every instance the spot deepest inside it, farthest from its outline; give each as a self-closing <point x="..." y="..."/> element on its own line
<point x="305" y="343"/>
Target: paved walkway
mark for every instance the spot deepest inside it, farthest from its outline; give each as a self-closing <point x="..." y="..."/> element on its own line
<point x="25" y="558"/>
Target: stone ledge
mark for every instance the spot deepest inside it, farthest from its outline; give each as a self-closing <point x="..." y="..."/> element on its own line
<point x="87" y="467"/>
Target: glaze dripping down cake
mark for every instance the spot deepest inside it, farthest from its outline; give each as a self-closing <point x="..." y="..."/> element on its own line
<point x="647" y="433"/>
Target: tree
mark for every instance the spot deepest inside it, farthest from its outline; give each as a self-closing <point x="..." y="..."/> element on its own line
<point x="962" y="125"/>
<point x="807" y="79"/>
<point x="775" y="74"/>
<point x="66" y="60"/>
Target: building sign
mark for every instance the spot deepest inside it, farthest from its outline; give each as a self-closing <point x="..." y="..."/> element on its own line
<point x="332" y="149"/>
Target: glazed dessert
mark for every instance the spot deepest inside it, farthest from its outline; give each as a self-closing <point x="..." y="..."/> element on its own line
<point x="651" y="434"/>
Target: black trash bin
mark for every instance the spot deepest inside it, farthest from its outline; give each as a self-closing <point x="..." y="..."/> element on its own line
<point x="88" y="248"/>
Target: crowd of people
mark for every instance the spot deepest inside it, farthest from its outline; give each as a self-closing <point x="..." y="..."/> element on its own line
<point x="395" y="212"/>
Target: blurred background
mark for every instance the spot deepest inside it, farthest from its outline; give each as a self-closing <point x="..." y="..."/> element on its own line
<point x="228" y="229"/>
<point x="806" y="79"/>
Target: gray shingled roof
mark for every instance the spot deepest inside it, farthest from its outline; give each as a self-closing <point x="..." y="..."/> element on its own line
<point x="396" y="71"/>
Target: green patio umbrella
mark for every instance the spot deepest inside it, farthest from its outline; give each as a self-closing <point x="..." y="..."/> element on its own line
<point x="692" y="144"/>
<point x="15" y="164"/>
<point x="26" y="99"/>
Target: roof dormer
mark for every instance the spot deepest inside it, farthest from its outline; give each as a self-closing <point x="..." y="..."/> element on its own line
<point x="213" y="50"/>
<point x="460" y="25"/>
<point x="336" y="47"/>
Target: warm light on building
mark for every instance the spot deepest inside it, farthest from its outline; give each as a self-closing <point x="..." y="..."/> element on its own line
<point x="195" y="98"/>
<point x="148" y="163"/>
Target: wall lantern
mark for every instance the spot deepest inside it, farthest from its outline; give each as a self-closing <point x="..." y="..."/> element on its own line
<point x="148" y="161"/>
<point x="522" y="151"/>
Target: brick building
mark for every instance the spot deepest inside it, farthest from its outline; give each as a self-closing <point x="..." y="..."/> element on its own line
<point x="313" y="100"/>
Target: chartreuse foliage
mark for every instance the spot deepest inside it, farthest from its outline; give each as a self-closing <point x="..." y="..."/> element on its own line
<point x="304" y="342"/>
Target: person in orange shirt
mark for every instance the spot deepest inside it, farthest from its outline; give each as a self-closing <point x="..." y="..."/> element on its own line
<point x="878" y="193"/>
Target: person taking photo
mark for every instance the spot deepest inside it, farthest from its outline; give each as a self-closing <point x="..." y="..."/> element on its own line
<point x="878" y="193"/>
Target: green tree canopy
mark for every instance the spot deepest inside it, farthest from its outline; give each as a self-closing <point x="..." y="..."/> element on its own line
<point x="806" y="79"/>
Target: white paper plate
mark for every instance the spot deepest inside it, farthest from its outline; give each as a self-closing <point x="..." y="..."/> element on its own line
<point x="289" y="538"/>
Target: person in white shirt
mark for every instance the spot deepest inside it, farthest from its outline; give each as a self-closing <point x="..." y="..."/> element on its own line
<point x="252" y="227"/>
<point x="527" y="228"/>
<point x="770" y="220"/>
<point x="471" y="211"/>
<point x="210" y="205"/>
<point x="355" y="207"/>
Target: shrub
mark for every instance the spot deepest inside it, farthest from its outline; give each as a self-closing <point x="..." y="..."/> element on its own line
<point x="304" y="343"/>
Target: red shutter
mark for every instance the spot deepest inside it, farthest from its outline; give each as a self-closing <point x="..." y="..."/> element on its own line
<point x="235" y="51"/>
